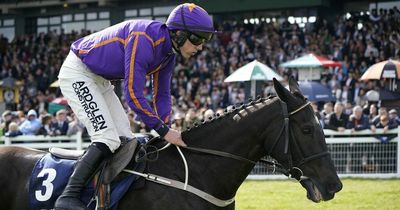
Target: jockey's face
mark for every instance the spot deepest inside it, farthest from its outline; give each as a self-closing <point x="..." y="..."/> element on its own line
<point x="188" y="49"/>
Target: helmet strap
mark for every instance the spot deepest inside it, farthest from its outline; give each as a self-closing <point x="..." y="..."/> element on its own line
<point x="178" y="40"/>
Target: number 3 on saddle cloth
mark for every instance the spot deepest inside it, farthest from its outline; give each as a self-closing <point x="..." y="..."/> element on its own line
<point x="50" y="176"/>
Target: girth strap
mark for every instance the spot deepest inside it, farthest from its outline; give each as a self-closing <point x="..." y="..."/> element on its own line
<point x="180" y="185"/>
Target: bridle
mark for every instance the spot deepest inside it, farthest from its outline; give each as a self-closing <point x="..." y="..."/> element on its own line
<point x="293" y="171"/>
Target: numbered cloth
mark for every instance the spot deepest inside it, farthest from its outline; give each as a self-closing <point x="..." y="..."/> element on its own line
<point x="50" y="176"/>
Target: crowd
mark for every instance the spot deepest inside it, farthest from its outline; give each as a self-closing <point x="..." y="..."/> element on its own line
<point x="197" y="86"/>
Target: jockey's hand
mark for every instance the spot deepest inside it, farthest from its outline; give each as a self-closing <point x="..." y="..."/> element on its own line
<point x="174" y="137"/>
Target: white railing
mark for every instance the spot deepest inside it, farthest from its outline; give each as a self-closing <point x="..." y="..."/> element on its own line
<point x="45" y="142"/>
<point x="355" y="154"/>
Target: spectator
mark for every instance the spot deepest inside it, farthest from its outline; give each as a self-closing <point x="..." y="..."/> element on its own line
<point x="13" y="130"/>
<point x="337" y="120"/>
<point x="60" y="125"/>
<point x="46" y="128"/>
<point x="373" y="112"/>
<point x="326" y="112"/>
<point x="358" y="121"/>
<point x="31" y="125"/>
<point x="75" y="126"/>
<point x="385" y="123"/>
<point x="394" y="116"/>
<point x="6" y="119"/>
<point x="381" y="111"/>
<point x="177" y="122"/>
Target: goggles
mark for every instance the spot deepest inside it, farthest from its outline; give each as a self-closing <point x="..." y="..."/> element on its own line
<point x="198" y="38"/>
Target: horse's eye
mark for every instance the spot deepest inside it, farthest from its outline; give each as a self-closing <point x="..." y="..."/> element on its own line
<point x="307" y="129"/>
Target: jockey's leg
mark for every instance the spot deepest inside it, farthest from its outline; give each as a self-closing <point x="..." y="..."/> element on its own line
<point x="83" y="172"/>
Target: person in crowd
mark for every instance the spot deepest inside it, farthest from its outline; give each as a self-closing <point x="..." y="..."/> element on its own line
<point x="326" y="112"/>
<point x="337" y="120"/>
<point x="386" y="123"/>
<point x="13" y="130"/>
<point x="6" y="119"/>
<point x="394" y="116"/>
<point x="61" y="124"/>
<point x="47" y="127"/>
<point x="31" y="125"/>
<point x="358" y="121"/>
<point x="348" y="108"/>
<point x="75" y="126"/>
<point x="129" y="50"/>
<point x="177" y="122"/>
<point x="381" y="111"/>
<point x="373" y="112"/>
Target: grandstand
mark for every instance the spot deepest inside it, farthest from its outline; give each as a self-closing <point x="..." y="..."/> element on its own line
<point x="35" y="37"/>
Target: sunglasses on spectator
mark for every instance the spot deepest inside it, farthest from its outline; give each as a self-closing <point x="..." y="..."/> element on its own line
<point x="199" y="38"/>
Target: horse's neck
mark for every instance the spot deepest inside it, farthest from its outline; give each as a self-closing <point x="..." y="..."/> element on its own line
<point x="221" y="176"/>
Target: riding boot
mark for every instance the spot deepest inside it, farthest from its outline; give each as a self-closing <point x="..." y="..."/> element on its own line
<point x="83" y="172"/>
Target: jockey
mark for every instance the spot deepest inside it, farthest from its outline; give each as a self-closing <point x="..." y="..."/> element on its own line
<point x="130" y="50"/>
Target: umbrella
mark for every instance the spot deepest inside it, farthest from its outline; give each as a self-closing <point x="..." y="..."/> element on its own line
<point x="385" y="69"/>
<point x="253" y="71"/>
<point x="389" y="69"/>
<point x="315" y="91"/>
<point x="60" y="100"/>
<point x="311" y="61"/>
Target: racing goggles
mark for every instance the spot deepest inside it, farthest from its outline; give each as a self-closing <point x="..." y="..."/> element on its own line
<point x="198" y="38"/>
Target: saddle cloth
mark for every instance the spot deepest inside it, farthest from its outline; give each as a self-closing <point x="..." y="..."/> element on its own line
<point x="50" y="176"/>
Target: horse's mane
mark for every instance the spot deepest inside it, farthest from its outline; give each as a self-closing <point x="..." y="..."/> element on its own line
<point x="235" y="113"/>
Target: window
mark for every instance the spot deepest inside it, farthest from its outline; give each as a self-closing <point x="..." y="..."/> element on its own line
<point x="67" y="18"/>
<point x="8" y="22"/>
<point x="131" y="13"/>
<point x="145" y="12"/>
<point x="91" y="16"/>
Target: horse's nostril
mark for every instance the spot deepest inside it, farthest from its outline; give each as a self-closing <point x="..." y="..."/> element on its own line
<point x="334" y="187"/>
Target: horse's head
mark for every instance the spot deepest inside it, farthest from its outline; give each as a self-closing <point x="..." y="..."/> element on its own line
<point x="306" y="155"/>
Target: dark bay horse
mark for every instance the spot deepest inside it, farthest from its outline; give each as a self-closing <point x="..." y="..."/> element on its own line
<point x="284" y="128"/>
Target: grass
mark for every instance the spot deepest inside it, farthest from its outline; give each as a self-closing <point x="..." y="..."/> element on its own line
<point x="363" y="194"/>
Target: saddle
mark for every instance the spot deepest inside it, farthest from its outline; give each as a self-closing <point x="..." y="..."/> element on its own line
<point x="118" y="161"/>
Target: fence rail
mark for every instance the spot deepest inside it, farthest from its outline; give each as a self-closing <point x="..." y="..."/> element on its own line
<point x="45" y="142"/>
<point x="355" y="154"/>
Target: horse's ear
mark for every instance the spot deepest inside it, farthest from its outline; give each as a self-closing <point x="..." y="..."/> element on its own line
<point x="281" y="91"/>
<point x="293" y="85"/>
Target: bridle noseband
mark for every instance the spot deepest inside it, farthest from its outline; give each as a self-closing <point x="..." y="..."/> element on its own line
<point x="293" y="171"/>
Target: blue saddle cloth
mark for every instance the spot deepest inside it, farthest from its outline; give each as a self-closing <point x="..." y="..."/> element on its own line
<point x="50" y="176"/>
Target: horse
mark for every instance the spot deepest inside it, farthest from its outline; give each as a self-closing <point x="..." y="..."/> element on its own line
<point x="221" y="153"/>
